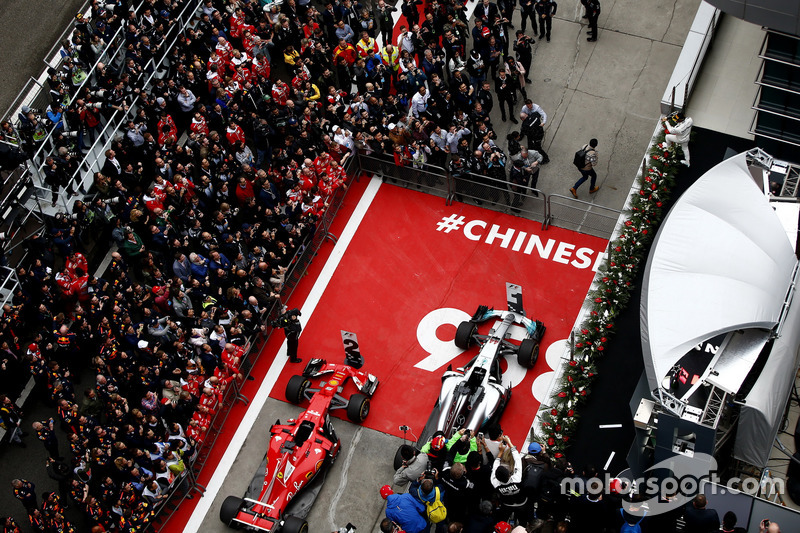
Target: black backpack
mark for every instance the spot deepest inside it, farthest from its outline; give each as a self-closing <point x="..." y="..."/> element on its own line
<point x="580" y="158"/>
<point x="532" y="480"/>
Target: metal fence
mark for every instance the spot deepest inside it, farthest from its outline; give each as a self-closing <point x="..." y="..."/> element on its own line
<point x="496" y="194"/>
<point x="581" y="216"/>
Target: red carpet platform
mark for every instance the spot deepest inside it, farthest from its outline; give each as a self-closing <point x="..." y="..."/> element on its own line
<point x="414" y="269"/>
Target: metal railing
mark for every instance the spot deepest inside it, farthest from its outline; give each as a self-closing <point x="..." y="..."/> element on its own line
<point x="581" y="216"/>
<point x="496" y="194"/>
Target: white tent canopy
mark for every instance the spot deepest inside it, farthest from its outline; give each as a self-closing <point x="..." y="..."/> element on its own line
<point x="720" y="262"/>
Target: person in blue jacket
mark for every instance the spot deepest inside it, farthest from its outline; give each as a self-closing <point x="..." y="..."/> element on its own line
<point x="404" y="510"/>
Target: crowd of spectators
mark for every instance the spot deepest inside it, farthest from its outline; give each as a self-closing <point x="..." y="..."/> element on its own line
<point x="487" y="485"/>
<point x="228" y="159"/>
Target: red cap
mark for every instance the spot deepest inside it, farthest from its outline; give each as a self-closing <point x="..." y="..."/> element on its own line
<point x="32" y="347"/>
<point x="386" y="491"/>
<point x="437" y="443"/>
<point x="503" y="527"/>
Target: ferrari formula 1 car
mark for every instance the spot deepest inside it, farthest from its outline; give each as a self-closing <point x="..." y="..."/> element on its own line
<point x="473" y="396"/>
<point x="301" y="450"/>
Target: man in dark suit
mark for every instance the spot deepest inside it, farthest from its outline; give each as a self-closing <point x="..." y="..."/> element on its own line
<point x="699" y="519"/>
<point x="504" y="87"/>
<point x="112" y="168"/>
<point x="487" y="11"/>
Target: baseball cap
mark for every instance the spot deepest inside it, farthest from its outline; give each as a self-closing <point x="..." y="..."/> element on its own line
<point x="437" y="443"/>
<point x="534" y="447"/>
<point x="386" y="491"/>
<point x="503" y="527"/>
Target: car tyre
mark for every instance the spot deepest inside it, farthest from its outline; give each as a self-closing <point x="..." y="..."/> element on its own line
<point x="358" y="408"/>
<point x="528" y="353"/>
<point x="296" y="389"/>
<point x="464" y="334"/>
<point x="293" y="524"/>
<point x="398" y="459"/>
<point x="229" y="511"/>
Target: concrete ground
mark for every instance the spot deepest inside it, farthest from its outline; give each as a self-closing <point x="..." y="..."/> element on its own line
<point x="28" y="30"/>
<point x="609" y="89"/>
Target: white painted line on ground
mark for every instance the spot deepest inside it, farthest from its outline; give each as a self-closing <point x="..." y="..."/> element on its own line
<point x="610" y="458"/>
<point x="250" y="417"/>
<point x="343" y="483"/>
<point x="609" y="426"/>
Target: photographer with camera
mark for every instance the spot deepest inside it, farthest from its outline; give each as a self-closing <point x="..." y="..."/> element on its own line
<point x="415" y="464"/>
<point x="289" y="321"/>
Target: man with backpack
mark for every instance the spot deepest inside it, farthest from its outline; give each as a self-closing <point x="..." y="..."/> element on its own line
<point x="586" y="159"/>
<point x="429" y="494"/>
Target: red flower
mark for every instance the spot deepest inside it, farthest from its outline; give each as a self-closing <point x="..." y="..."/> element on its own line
<point x="603" y="339"/>
<point x="558" y="455"/>
<point x="551" y="441"/>
<point x="569" y="378"/>
<point x="562" y="394"/>
<point x="570" y="413"/>
<point x="658" y="204"/>
<point x="600" y="348"/>
<point x="573" y="363"/>
<point x="579" y="345"/>
<point x="558" y="428"/>
<point x="566" y="438"/>
<point x="554" y="412"/>
<point x="609" y="326"/>
<point x="583" y="393"/>
<point x="598" y="300"/>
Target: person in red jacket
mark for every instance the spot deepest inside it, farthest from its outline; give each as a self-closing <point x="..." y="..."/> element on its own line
<point x="244" y="191"/>
<point x="234" y="133"/>
<point x="346" y="51"/>
<point x="167" y="131"/>
<point x="199" y="124"/>
<point x="74" y="261"/>
<point x="280" y="93"/>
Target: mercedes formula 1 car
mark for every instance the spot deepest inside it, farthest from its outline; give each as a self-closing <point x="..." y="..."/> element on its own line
<point x="301" y="450"/>
<point x="473" y="396"/>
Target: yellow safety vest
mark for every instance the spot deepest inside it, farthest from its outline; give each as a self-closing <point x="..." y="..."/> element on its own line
<point x="391" y="60"/>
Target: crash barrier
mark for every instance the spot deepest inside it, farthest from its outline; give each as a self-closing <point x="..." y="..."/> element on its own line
<point x="580" y="216"/>
<point x="297" y="269"/>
